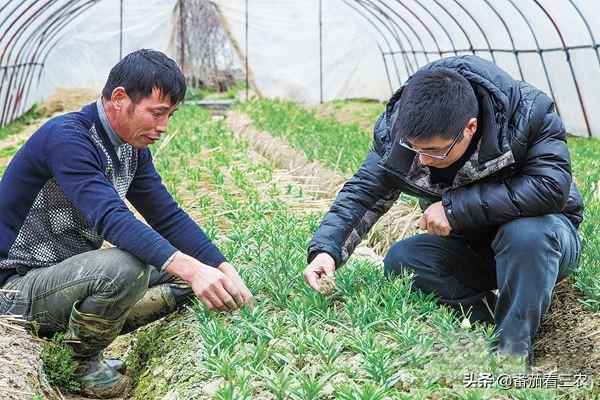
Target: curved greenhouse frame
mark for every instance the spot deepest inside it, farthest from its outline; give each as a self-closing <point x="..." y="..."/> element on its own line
<point x="311" y="50"/>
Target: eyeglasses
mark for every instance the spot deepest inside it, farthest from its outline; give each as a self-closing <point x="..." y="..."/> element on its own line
<point x="437" y="157"/>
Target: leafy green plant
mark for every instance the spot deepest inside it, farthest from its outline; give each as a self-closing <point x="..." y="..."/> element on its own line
<point x="59" y="365"/>
<point x="367" y="391"/>
<point x="374" y="338"/>
<point x="341" y="147"/>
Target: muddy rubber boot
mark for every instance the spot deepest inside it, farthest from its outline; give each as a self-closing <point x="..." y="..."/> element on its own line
<point x="118" y="365"/>
<point x="158" y="301"/>
<point x="87" y="336"/>
<point x="98" y="379"/>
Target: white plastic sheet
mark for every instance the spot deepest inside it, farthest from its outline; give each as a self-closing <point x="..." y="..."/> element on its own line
<point x="364" y="49"/>
<point x="369" y="47"/>
<point x="72" y="44"/>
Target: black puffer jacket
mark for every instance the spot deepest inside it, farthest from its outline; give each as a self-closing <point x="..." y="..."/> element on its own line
<point x="521" y="167"/>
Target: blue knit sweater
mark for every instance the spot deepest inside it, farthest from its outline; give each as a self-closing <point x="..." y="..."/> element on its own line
<point x="63" y="194"/>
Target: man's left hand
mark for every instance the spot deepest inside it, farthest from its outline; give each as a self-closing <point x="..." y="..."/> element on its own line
<point x="434" y="220"/>
<point x="237" y="280"/>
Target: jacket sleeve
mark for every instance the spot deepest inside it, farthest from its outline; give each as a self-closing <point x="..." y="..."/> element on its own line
<point x="542" y="187"/>
<point x="362" y="201"/>
<point x="152" y="199"/>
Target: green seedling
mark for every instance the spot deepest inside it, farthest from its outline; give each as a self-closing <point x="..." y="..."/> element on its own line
<point x="310" y="385"/>
<point x="367" y="391"/>
<point x="371" y="339"/>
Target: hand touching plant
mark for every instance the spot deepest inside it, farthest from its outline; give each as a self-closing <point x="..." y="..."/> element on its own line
<point x="218" y="290"/>
<point x="237" y="280"/>
<point x="321" y="266"/>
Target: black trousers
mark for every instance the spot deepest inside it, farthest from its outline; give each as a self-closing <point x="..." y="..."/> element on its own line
<point x="523" y="259"/>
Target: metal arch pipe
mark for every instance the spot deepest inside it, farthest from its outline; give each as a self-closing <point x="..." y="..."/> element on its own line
<point x="380" y="16"/>
<point x="512" y="41"/>
<point x="6" y="5"/>
<point x="546" y="50"/>
<point x="441" y="26"/>
<point x="25" y="48"/>
<point x="573" y="75"/>
<point x="23" y="75"/>
<point x="14" y="10"/>
<point x="10" y="26"/>
<point x="18" y="59"/>
<point x="321" y="51"/>
<point x="420" y="21"/>
<point x="587" y="26"/>
<point x="478" y="27"/>
<point x="3" y="22"/>
<point x="407" y="24"/>
<point x="539" y="51"/>
<point x="397" y="26"/>
<point x="246" y="26"/>
<point x="387" y="72"/>
<point x="9" y="46"/>
<point x="74" y="15"/>
<point x="380" y="49"/>
<point x="347" y="2"/>
<point x="49" y="34"/>
<point x="457" y="24"/>
<point x="398" y="41"/>
<point x="120" y="29"/>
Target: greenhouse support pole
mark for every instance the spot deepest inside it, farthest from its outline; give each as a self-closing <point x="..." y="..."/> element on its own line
<point x="321" y="51"/>
<point x="121" y="30"/>
<point x="568" y="56"/>
<point x="539" y="51"/>
<point x="182" y="35"/>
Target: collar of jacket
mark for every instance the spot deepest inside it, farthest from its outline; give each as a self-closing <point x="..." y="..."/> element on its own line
<point x="497" y="96"/>
<point x="92" y="110"/>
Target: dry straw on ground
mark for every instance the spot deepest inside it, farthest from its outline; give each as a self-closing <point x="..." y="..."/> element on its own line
<point x="62" y="101"/>
<point x="68" y="99"/>
<point x="395" y="225"/>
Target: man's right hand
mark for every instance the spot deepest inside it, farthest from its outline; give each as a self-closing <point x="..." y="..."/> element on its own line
<point x="210" y="285"/>
<point x="322" y="265"/>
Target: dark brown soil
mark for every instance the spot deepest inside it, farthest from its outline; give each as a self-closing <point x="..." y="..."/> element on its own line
<point x="569" y="340"/>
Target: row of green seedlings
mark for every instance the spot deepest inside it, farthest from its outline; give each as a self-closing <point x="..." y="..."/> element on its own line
<point x="337" y="146"/>
<point x="585" y="156"/>
<point x="374" y="338"/>
<point x="343" y="146"/>
<point x="278" y="292"/>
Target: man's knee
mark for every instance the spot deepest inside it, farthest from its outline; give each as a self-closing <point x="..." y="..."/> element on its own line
<point x="129" y="273"/>
<point x="397" y="259"/>
<point x="525" y="234"/>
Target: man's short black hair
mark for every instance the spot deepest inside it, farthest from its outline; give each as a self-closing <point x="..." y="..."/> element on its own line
<point x="435" y="103"/>
<point x="141" y="71"/>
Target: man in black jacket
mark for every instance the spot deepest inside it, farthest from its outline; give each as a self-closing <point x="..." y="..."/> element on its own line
<point x="487" y="157"/>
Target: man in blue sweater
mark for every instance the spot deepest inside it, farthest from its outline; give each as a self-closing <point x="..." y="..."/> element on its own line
<point x="64" y="193"/>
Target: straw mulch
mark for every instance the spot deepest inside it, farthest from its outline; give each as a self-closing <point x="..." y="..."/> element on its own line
<point x="398" y="223"/>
